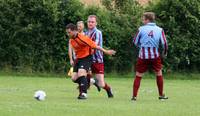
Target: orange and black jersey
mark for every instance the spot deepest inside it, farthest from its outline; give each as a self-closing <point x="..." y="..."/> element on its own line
<point x="82" y="45"/>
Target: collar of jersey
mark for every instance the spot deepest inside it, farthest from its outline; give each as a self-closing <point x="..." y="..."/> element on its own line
<point x="151" y="24"/>
<point x="92" y="30"/>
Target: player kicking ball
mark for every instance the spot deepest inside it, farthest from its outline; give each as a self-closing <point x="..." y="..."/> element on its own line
<point x="148" y="39"/>
<point x="72" y="57"/>
<point x="82" y="46"/>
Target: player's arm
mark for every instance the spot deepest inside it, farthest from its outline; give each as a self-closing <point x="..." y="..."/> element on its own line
<point x="98" y="40"/>
<point x="70" y="54"/>
<point x="136" y="39"/>
<point x="108" y="52"/>
<point x="86" y="40"/>
<point x="164" y="43"/>
<point x="93" y="45"/>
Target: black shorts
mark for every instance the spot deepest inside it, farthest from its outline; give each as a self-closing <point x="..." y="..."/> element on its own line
<point x="83" y="63"/>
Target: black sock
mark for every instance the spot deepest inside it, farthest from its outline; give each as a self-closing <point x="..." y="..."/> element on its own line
<point x="83" y="84"/>
<point x="77" y="80"/>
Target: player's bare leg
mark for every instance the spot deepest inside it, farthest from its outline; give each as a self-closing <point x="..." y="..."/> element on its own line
<point x="105" y="86"/>
<point x="92" y="81"/>
<point x="74" y="76"/>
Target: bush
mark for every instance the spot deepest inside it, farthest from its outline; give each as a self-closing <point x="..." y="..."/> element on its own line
<point x="181" y="21"/>
<point x="28" y="36"/>
<point x="116" y="26"/>
<point x="125" y="19"/>
<point x="33" y="32"/>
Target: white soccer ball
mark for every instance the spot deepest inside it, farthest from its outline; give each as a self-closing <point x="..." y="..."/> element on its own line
<point x="40" y="95"/>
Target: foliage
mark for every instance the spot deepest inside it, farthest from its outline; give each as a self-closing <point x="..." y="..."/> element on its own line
<point x="33" y="32"/>
<point x="125" y="19"/>
<point x="28" y="36"/>
<point x="181" y="21"/>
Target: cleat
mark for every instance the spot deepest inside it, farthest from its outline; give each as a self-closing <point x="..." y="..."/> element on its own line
<point x="162" y="98"/>
<point x="134" y="99"/>
<point x="110" y="93"/>
<point x="82" y="96"/>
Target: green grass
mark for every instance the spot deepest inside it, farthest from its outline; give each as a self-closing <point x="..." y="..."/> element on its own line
<point x="16" y="98"/>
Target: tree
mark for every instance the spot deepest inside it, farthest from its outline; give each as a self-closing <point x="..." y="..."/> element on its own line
<point x="125" y="19"/>
<point x="181" y="21"/>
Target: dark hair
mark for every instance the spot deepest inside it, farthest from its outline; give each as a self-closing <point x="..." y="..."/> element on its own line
<point x="150" y="16"/>
<point x="72" y="27"/>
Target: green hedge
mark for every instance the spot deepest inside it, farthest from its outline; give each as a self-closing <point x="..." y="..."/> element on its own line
<point x="29" y="38"/>
<point x="32" y="33"/>
<point x="181" y="21"/>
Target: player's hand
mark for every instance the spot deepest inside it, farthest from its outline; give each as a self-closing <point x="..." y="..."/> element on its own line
<point x="111" y="52"/>
<point x="163" y="55"/>
<point x="71" y="62"/>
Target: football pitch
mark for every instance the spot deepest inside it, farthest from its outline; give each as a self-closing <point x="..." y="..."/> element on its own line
<point x="16" y="98"/>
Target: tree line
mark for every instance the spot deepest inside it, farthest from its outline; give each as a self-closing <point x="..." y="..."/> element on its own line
<point x="33" y="38"/>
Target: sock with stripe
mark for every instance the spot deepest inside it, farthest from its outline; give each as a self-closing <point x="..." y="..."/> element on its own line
<point x="83" y="84"/>
<point x="106" y="87"/>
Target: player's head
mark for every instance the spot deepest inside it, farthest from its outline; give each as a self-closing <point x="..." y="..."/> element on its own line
<point x="71" y="30"/>
<point x="92" y="21"/>
<point x="80" y="26"/>
<point x="148" y="17"/>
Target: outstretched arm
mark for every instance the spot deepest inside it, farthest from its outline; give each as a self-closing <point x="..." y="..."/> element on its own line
<point x="108" y="52"/>
<point x="93" y="45"/>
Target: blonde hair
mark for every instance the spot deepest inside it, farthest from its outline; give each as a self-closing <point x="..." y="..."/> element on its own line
<point x="80" y="22"/>
<point x="149" y="16"/>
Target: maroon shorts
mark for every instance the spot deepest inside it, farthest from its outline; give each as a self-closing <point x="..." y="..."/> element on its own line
<point x="144" y="64"/>
<point x="97" y="68"/>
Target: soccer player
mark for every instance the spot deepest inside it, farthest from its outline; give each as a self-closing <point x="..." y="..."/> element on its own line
<point x="72" y="57"/>
<point x="80" y="27"/>
<point x="82" y="46"/>
<point x="97" y="58"/>
<point x="148" y="39"/>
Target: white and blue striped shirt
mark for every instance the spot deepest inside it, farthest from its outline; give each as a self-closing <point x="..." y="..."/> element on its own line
<point x="96" y="36"/>
<point x="148" y="39"/>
